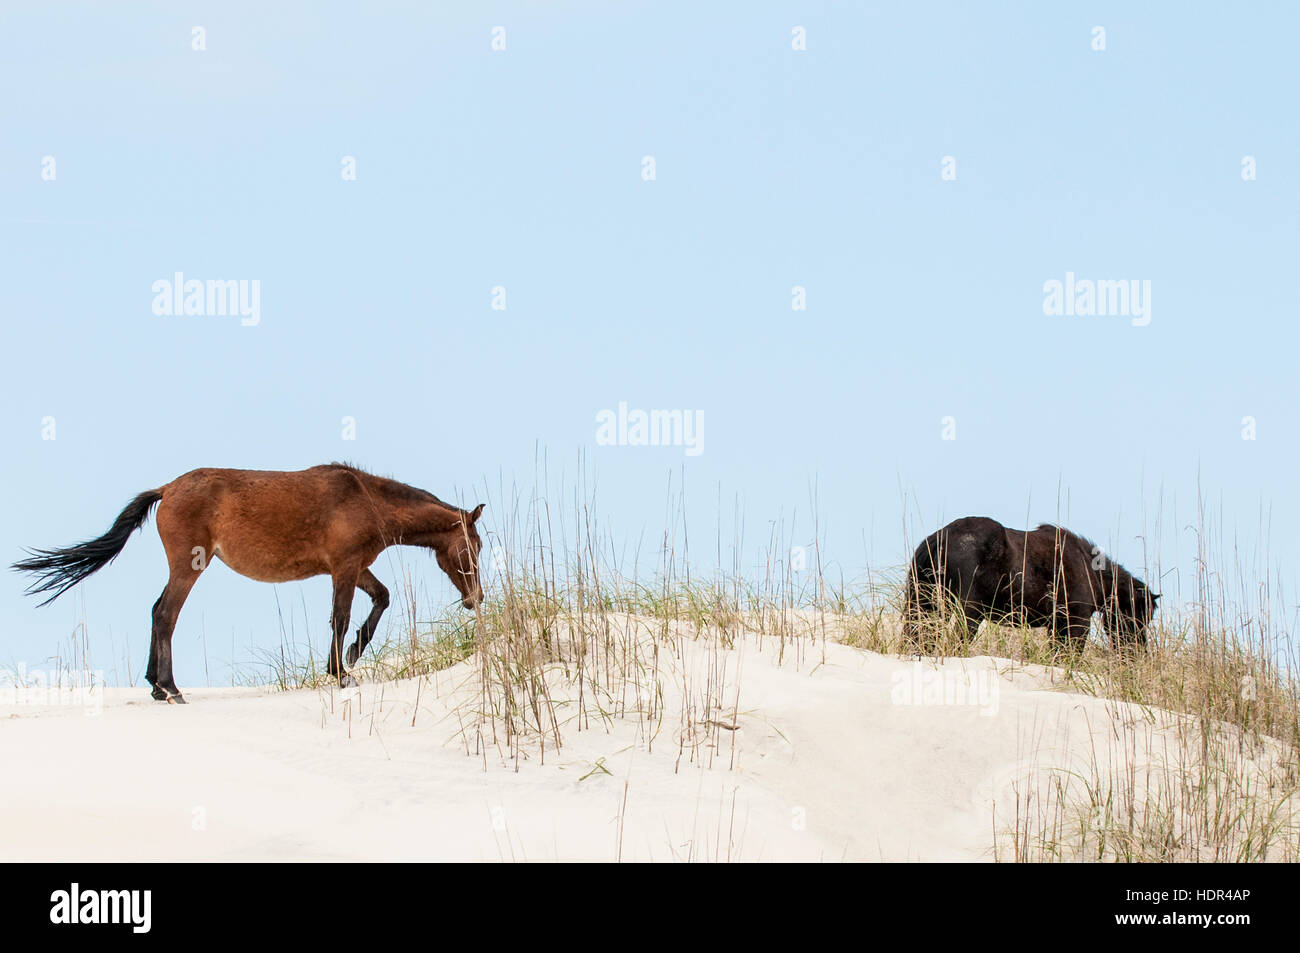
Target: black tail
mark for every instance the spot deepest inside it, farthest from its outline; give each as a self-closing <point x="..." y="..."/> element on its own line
<point x="61" y="569"/>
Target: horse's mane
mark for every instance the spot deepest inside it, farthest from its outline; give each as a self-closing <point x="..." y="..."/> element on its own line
<point x="395" y="489"/>
<point x="1119" y="572"/>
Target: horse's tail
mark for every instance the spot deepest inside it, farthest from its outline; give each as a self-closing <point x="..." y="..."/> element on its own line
<point x="58" y="570"/>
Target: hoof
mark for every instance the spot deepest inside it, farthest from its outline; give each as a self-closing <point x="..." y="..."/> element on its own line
<point x="353" y="654"/>
<point x="170" y="697"/>
<point x="347" y="681"/>
<point x="176" y="699"/>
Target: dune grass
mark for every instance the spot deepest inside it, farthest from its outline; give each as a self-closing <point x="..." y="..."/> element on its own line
<point x="563" y="610"/>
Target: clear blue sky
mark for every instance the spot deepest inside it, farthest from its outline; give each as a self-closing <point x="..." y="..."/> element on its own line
<point x="522" y="168"/>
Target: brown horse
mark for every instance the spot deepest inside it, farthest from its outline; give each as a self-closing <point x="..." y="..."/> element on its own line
<point x="277" y="526"/>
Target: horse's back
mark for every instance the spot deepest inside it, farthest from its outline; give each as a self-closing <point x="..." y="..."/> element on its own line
<point x="974" y="539"/>
<point x="271" y="525"/>
<point x="308" y="487"/>
<point x="968" y="558"/>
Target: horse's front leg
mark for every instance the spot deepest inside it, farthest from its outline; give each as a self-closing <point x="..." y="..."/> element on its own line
<point x="344" y="588"/>
<point x="378" y="594"/>
<point x="1072" y="626"/>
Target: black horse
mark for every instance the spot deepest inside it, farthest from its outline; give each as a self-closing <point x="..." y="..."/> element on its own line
<point x="1045" y="577"/>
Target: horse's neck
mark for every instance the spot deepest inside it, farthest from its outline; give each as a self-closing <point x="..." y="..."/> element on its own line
<point x="405" y="520"/>
<point x="1118" y="577"/>
<point x="420" y="524"/>
<point x="1078" y="550"/>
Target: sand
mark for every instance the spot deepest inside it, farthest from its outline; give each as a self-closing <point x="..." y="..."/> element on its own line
<point x="859" y="757"/>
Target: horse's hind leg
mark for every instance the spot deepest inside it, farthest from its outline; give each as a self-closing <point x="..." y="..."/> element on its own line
<point x="911" y="614"/>
<point x="165" y="611"/>
<point x="345" y="586"/>
<point x="378" y="594"/>
<point x="970" y="620"/>
<point x="918" y="603"/>
<point x="188" y="543"/>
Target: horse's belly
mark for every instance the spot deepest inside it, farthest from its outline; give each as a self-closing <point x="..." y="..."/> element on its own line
<point x="268" y="570"/>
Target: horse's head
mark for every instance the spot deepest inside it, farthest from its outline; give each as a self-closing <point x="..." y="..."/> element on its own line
<point x="1129" y="607"/>
<point x="458" y="558"/>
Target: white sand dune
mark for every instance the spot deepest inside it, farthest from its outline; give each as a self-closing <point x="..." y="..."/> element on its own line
<point x="859" y="757"/>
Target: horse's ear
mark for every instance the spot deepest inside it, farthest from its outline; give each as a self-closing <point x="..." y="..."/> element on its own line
<point x="476" y="513"/>
<point x="1155" y="597"/>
